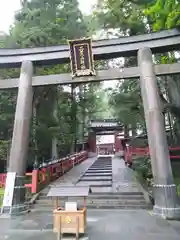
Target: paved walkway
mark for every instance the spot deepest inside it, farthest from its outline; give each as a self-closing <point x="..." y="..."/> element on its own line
<point x="101" y="224"/>
<point x="123" y="177"/>
<point x="73" y="175"/>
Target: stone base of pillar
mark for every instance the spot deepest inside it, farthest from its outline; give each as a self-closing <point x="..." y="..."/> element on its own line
<point x="167" y="213"/>
<point x="166" y="202"/>
<point x="19" y="205"/>
<point x="15" y="210"/>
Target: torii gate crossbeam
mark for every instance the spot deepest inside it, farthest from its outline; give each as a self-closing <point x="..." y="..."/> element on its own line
<point x="159" y="42"/>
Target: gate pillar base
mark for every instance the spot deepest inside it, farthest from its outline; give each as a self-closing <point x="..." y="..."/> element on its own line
<point x="166" y="202"/>
<point x="19" y="205"/>
<point x="167" y="213"/>
<point x="16" y="210"/>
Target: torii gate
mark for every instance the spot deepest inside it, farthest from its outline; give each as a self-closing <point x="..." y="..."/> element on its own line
<point x="166" y="204"/>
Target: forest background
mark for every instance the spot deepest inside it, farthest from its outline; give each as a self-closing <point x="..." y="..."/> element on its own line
<point x="61" y="114"/>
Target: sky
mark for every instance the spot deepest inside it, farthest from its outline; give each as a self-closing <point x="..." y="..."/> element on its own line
<point x="8" y="7"/>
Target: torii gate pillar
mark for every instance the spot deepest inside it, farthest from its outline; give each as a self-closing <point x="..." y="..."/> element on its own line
<point x="20" y="139"/>
<point x="166" y="201"/>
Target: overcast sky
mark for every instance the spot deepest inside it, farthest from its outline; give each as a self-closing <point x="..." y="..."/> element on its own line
<point x="8" y="7"/>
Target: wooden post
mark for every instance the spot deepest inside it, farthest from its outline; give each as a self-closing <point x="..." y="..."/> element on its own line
<point x="77" y="228"/>
<point x="59" y="233"/>
<point x="35" y="176"/>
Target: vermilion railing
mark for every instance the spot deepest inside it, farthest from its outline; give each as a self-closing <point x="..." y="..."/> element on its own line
<point x="130" y="152"/>
<point x="48" y="172"/>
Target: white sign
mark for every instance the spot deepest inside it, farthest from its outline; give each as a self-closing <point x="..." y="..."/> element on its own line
<point x="9" y="189"/>
<point x="70" y="206"/>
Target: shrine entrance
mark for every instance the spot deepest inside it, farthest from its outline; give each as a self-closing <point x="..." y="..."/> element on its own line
<point x="80" y="55"/>
<point x="106" y="127"/>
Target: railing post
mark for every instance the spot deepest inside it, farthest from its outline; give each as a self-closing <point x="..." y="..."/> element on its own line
<point x="57" y="170"/>
<point x="51" y="173"/>
<point x="43" y="175"/>
<point x="74" y="159"/>
<point x="35" y="178"/>
<point x="47" y="174"/>
<point x="70" y="162"/>
<point x="61" y="167"/>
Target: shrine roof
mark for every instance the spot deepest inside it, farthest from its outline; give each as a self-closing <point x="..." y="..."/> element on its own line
<point x="68" y="191"/>
<point x="105" y="125"/>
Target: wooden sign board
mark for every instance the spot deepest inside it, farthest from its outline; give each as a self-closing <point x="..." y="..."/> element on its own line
<point x="82" y="63"/>
<point x="9" y="189"/>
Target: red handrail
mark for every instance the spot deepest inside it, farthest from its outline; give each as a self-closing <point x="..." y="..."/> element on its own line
<point x="131" y="151"/>
<point x="46" y="174"/>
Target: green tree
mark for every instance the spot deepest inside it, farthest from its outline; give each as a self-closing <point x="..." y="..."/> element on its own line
<point x="164" y="14"/>
<point x="47" y="22"/>
<point x="126" y="18"/>
<point x="43" y="23"/>
<point x="126" y="102"/>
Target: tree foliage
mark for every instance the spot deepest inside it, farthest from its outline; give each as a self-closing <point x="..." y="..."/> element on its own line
<point x="125" y="99"/>
<point x="63" y="113"/>
<point x="165" y="14"/>
<point x="126" y="18"/>
<point x="42" y="23"/>
<point x="123" y="15"/>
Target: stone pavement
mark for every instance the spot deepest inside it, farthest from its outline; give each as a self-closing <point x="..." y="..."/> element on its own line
<point x="73" y="175"/>
<point x="101" y="225"/>
<point x="123" y="177"/>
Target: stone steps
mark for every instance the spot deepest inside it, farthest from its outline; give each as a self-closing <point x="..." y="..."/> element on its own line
<point x="99" y="174"/>
<point x="104" y="203"/>
<point x="96" y="199"/>
<point x="101" y="204"/>
<point x="99" y="178"/>
<point x="105" y="207"/>
<point x="101" y="201"/>
<point x="105" y="196"/>
<point x="92" y="179"/>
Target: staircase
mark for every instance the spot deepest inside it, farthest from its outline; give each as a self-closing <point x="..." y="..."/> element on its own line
<point x="99" y="201"/>
<point x="99" y="177"/>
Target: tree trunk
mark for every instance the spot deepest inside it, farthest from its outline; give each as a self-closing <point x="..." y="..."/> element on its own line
<point x="54" y="151"/>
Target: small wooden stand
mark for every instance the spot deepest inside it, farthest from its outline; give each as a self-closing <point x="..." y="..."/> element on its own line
<point x="68" y="221"/>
